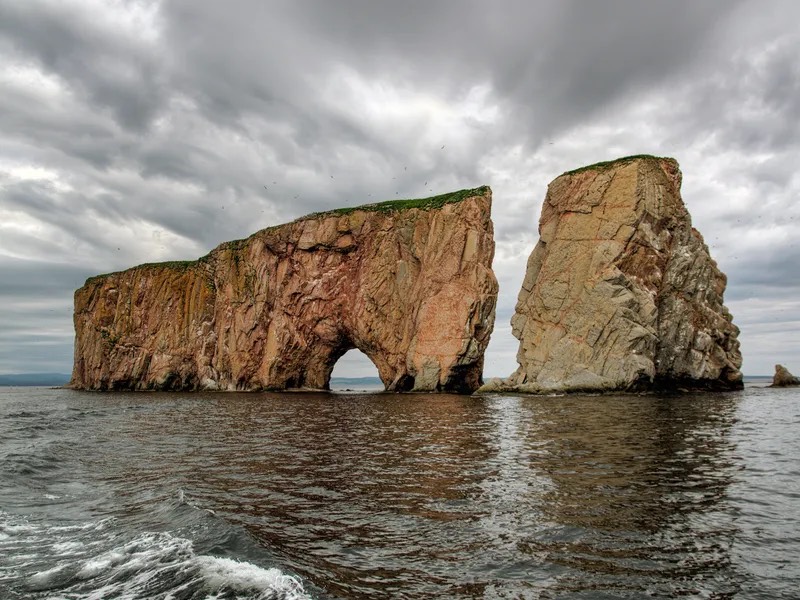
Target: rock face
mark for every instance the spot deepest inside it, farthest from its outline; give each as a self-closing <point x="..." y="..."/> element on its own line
<point x="620" y="292"/>
<point x="409" y="283"/>
<point x="783" y="378"/>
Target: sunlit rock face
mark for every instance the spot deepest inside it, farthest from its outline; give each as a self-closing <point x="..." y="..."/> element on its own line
<point x="408" y="283"/>
<point x="620" y="292"/>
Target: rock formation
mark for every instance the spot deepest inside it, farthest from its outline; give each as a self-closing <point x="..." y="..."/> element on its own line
<point x="620" y="292"/>
<point x="409" y="283"/>
<point x="783" y="378"/>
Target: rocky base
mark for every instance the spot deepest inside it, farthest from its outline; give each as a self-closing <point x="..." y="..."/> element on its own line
<point x="666" y="386"/>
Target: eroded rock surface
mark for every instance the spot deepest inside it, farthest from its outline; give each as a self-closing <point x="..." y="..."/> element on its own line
<point x="783" y="378"/>
<point x="408" y="283"/>
<point x="620" y="292"/>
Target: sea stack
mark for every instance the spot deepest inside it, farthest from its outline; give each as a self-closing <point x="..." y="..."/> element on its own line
<point x="620" y="292"/>
<point x="783" y="378"/>
<point x="409" y="283"/>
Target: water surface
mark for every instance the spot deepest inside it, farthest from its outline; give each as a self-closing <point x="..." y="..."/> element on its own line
<point x="398" y="496"/>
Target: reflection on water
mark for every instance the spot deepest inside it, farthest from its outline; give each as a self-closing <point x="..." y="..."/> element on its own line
<point x="423" y="496"/>
<point x="637" y="494"/>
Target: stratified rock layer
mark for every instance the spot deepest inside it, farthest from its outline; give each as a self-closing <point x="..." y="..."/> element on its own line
<point x="783" y="378"/>
<point x="620" y="292"/>
<point x="408" y="283"/>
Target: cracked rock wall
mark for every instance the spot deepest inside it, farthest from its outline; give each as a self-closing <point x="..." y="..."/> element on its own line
<point x="620" y="292"/>
<point x="409" y="284"/>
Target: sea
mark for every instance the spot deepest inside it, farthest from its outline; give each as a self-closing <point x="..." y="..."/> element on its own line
<point x="362" y="494"/>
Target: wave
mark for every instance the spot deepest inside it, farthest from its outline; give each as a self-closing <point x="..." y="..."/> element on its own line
<point x="101" y="560"/>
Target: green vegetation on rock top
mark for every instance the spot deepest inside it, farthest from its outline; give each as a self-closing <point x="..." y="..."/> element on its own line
<point x="387" y="206"/>
<point x="609" y="163"/>
<point x="397" y="205"/>
<point x="178" y="265"/>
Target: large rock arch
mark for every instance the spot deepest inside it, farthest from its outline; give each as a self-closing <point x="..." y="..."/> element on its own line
<point x="408" y="283"/>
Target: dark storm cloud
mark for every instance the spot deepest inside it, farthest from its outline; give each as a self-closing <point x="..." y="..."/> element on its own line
<point x="554" y="62"/>
<point x="55" y="133"/>
<point x="113" y="71"/>
<point x="753" y="106"/>
<point x="269" y="60"/>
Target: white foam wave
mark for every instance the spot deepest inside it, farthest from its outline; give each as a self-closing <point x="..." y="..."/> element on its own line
<point x="88" y="562"/>
<point x="42" y="579"/>
<point x="67" y="547"/>
<point x="228" y="574"/>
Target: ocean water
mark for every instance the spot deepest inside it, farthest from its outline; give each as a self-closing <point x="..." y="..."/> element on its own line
<point x="365" y="495"/>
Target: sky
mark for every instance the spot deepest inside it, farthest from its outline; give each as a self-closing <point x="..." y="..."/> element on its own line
<point x="137" y="131"/>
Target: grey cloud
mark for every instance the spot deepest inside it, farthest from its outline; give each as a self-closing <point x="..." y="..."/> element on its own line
<point x="40" y="354"/>
<point x="554" y="62"/>
<point x="518" y="47"/>
<point x="174" y="159"/>
<point x="771" y="271"/>
<point x="27" y="278"/>
<point x="748" y="100"/>
<point x="61" y="211"/>
<point x="35" y="323"/>
<point x="111" y="70"/>
<point x="72" y="132"/>
<point x="769" y="91"/>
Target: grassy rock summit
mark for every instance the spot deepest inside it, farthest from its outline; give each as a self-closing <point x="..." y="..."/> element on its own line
<point x="620" y="292"/>
<point x="409" y="283"/>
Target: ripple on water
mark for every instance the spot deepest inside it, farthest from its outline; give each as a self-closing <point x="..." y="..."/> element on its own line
<point x="422" y="496"/>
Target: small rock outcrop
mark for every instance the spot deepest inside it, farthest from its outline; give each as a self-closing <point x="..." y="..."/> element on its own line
<point x="620" y="292"/>
<point x="783" y="378"/>
<point x="409" y="283"/>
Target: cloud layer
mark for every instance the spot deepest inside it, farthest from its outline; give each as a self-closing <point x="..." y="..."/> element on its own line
<point x="137" y="131"/>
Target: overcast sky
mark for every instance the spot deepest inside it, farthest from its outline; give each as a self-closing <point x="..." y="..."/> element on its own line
<point x="139" y="131"/>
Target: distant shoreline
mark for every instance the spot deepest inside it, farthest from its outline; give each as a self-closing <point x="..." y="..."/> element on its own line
<point x="34" y="379"/>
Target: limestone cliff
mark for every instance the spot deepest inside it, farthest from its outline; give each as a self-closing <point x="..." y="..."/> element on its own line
<point x="409" y="283"/>
<point x="620" y="292"/>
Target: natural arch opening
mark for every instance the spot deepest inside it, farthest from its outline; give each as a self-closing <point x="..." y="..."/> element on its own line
<point x="354" y="371"/>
